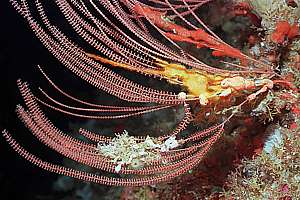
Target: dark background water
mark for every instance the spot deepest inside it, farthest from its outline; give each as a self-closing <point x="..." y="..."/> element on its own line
<point x="20" y="52"/>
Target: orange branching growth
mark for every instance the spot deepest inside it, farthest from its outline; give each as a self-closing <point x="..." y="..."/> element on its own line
<point x="284" y="31"/>
<point x="198" y="37"/>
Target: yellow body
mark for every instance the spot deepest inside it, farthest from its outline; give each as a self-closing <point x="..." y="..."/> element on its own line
<point x="199" y="84"/>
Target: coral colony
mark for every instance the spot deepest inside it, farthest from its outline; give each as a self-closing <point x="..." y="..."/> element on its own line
<point x="145" y="37"/>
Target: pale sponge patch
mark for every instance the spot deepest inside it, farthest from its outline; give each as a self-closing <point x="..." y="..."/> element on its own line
<point x="136" y="153"/>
